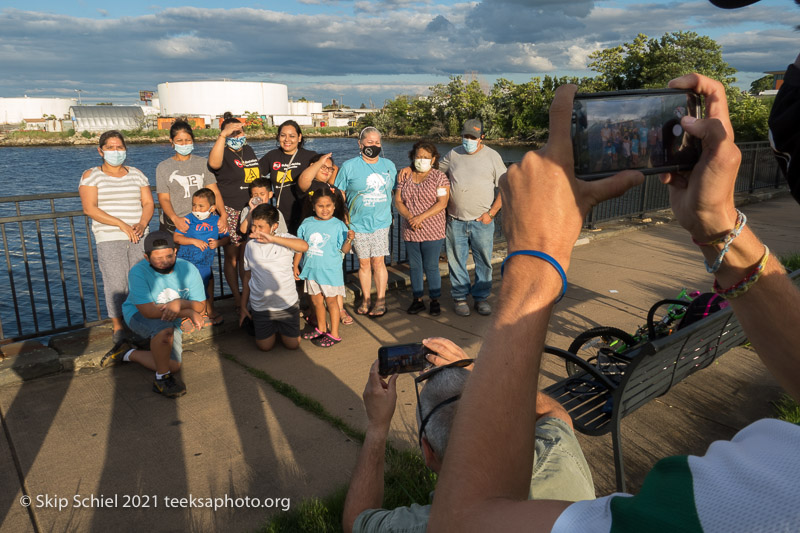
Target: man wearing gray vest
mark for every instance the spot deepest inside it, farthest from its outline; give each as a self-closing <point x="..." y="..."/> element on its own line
<point x="474" y="170"/>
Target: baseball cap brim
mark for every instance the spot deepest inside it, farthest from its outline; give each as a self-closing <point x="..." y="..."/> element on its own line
<point x="732" y="4"/>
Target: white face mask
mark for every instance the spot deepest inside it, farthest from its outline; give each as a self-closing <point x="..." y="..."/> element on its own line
<point x="201" y="215"/>
<point x="423" y="165"/>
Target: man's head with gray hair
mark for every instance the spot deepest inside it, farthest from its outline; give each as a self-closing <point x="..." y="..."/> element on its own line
<point x="445" y="385"/>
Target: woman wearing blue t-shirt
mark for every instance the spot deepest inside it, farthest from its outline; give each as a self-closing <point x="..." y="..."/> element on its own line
<point x="367" y="182"/>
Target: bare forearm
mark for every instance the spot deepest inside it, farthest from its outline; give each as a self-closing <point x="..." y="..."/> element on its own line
<point x="298" y="245"/>
<point x="769" y="311"/>
<point x="166" y="206"/>
<point x="496" y="205"/>
<point x="512" y="348"/>
<point x="216" y="153"/>
<point x="366" y="486"/>
<point x="401" y="207"/>
<point x="307" y="176"/>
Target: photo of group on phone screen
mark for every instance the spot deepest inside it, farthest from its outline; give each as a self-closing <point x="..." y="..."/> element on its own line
<point x="631" y="132"/>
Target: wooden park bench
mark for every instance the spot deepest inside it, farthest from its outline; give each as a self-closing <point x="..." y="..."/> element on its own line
<point x="597" y="403"/>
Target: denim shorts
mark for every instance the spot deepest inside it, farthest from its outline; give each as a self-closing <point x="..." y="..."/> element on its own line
<point x="150" y="327"/>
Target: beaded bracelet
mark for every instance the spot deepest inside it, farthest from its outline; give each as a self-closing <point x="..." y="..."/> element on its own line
<point x="741" y="221"/>
<point x="748" y="281"/>
<point x="543" y="256"/>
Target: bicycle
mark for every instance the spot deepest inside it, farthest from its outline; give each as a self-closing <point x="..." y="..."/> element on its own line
<point x="605" y="346"/>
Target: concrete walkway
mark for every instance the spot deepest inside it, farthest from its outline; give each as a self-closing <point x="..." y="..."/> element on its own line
<point x="85" y="432"/>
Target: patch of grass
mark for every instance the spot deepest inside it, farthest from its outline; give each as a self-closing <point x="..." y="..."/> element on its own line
<point x="791" y="261"/>
<point x="36" y="134"/>
<point x="787" y="409"/>
<point x="313" y="515"/>
<point x="406" y="478"/>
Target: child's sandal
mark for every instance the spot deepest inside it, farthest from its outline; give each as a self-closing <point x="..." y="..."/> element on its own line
<point x="344" y="317"/>
<point x="315" y="334"/>
<point x="326" y="340"/>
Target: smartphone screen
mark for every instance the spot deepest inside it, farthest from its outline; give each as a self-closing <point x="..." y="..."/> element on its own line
<point x="638" y="130"/>
<point x="402" y="358"/>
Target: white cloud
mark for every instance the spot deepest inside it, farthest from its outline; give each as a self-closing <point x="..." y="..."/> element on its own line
<point x="395" y="39"/>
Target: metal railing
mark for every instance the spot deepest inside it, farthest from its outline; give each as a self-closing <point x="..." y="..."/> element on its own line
<point x="758" y="170"/>
<point x="54" y="286"/>
<point x="53" y="278"/>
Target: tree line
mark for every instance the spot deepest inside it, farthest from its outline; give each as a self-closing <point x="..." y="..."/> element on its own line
<point x="520" y="110"/>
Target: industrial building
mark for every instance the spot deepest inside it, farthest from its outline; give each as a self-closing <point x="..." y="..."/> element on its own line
<point x="16" y="110"/>
<point x="99" y="118"/>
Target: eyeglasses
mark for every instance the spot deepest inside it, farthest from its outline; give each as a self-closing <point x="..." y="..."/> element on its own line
<point x="326" y="168"/>
<point x="461" y="363"/>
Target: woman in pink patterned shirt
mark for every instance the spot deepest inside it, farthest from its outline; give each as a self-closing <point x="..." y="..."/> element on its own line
<point x="421" y="199"/>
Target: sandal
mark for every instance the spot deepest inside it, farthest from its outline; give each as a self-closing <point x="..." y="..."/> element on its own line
<point x="188" y="326"/>
<point x="363" y="309"/>
<point x="344" y="317"/>
<point x="311" y="320"/>
<point x="326" y="340"/>
<point x="379" y="309"/>
<point x="315" y="334"/>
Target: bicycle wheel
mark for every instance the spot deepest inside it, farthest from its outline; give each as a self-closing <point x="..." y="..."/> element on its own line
<point x="595" y="345"/>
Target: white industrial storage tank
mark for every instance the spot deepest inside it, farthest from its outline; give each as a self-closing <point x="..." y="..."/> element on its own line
<point x="215" y="97"/>
<point x="15" y="110"/>
<point x="304" y="107"/>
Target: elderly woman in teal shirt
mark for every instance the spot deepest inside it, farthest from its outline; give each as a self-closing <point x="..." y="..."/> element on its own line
<point x="368" y="181"/>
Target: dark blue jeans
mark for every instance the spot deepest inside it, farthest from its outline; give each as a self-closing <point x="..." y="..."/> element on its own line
<point x="424" y="257"/>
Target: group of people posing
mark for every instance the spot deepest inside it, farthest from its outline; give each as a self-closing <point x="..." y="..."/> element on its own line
<point x="630" y="145"/>
<point x="284" y="222"/>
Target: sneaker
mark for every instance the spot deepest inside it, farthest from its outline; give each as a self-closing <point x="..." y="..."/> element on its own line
<point x="415" y="307"/>
<point x="461" y="308"/>
<point x="169" y="386"/>
<point x="436" y="309"/>
<point x="483" y="307"/>
<point x="114" y="355"/>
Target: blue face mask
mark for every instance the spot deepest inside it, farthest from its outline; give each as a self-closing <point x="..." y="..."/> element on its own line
<point x="184" y="149"/>
<point x="114" y="157"/>
<point x="236" y="143"/>
<point x="470" y="145"/>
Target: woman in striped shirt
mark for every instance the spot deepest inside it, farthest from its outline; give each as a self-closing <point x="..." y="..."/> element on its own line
<point x="118" y="200"/>
<point x="421" y="199"/>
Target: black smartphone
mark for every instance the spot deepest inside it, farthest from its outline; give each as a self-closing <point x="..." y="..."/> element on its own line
<point x="402" y="358"/>
<point x="641" y="130"/>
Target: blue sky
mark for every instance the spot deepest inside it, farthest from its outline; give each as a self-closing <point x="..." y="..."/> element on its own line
<point x="361" y="49"/>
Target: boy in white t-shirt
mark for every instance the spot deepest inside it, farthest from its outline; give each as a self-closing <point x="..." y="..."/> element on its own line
<point x="269" y="296"/>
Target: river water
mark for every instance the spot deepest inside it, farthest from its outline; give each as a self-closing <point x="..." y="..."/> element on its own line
<point x="47" y="303"/>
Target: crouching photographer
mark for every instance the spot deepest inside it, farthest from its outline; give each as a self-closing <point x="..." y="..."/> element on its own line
<point x="559" y="469"/>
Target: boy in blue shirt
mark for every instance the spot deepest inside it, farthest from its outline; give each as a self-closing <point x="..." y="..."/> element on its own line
<point x="199" y="244"/>
<point x="165" y="298"/>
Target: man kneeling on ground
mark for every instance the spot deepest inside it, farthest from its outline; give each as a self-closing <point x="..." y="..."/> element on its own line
<point x="559" y="471"/>
<point x="166" y="296"/>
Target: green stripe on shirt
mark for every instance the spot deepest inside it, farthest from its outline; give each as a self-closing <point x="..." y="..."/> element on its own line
<point x="664" y="504"/>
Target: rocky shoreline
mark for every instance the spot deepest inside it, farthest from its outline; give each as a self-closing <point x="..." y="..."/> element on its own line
<point x="79" y="140"/>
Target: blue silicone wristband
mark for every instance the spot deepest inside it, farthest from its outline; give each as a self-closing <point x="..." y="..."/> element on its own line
<point x="543" y="256"/>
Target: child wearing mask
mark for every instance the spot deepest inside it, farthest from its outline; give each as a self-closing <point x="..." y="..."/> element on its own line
<point x="199" y="242"/>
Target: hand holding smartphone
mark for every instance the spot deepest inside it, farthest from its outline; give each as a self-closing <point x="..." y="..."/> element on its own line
<point x="639" y="130"/>
<point x="402" y="358"/>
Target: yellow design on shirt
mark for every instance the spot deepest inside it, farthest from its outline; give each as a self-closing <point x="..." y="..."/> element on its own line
<point x="284" y="177"/>
<point x="251" y="174"/>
